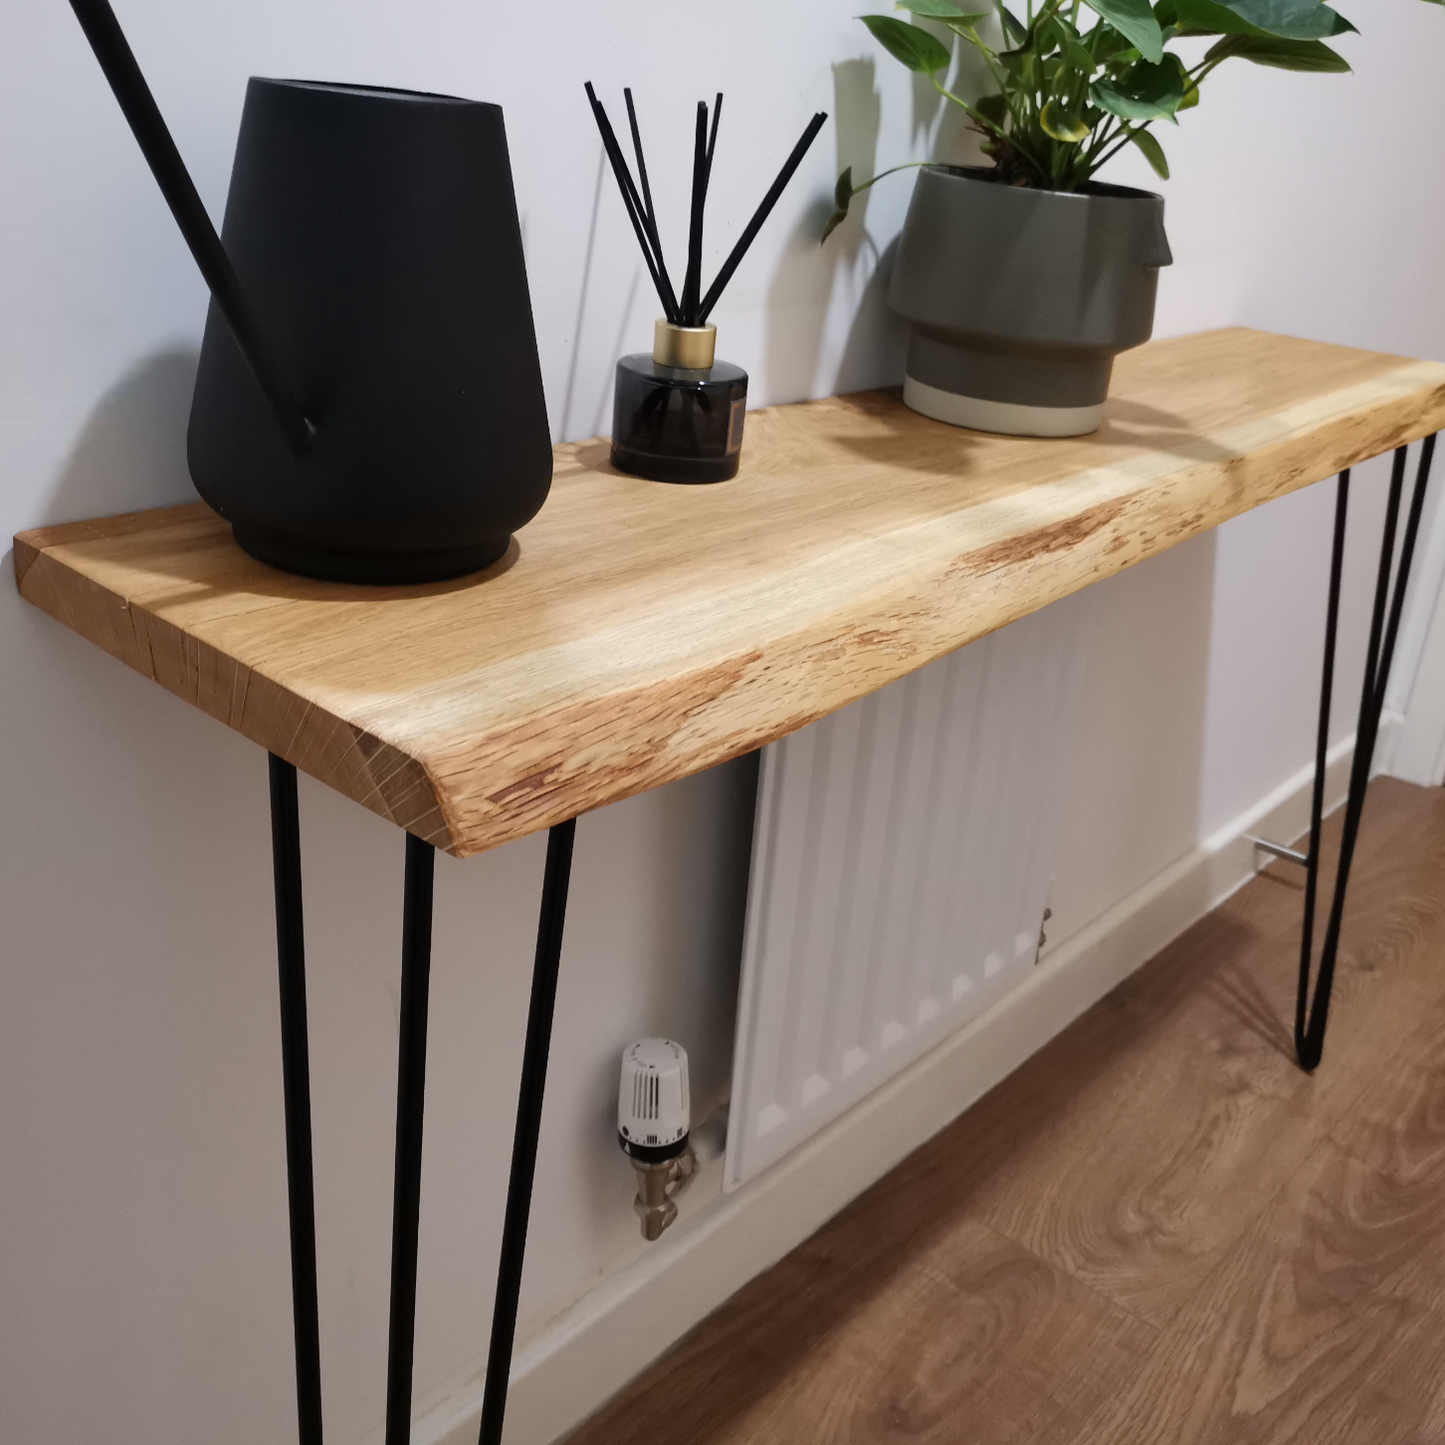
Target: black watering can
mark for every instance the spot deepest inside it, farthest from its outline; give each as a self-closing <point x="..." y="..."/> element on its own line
<point x="369" y="405"/>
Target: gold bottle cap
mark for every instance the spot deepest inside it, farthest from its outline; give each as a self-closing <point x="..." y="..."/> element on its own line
<point x="691" y="347"/>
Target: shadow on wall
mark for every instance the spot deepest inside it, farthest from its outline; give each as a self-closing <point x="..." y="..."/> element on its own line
<point x="953" y="136"/>
<point x="1131" y="791"/>
<point x="694" y="938"/>
<point x="807" y="276"/>
<point x="131" y="451"/>
<point x="561" y="432"/>
<point x="874" y="350"/>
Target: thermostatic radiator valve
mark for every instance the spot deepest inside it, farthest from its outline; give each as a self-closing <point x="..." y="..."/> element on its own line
<point x="652" y="1127"/>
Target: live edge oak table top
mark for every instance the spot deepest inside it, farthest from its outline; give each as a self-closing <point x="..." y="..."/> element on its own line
<point x="638" y="632"/>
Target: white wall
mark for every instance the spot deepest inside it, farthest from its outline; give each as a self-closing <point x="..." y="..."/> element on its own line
<point x="143" y="1273"/>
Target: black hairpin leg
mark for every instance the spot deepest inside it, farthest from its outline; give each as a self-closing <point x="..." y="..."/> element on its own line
<point x="410" y="1106"/>
<point x="529" y="1124"/>
<point x="296" y="1076"/>
<point x="410" y="1111"/>
<point x="1311" y="1018"/>
<point x="411" y="1088"/>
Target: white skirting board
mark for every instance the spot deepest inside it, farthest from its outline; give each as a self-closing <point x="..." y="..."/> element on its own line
<point x="723" y="1240"/>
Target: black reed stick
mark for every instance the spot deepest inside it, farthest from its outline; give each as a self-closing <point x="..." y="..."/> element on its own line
<point x="761" y="215"/>
<point x="650" y="215"/>
<point x="637" y="151"/>
<point x="633" y="204"/>
<point x="692" y="282"/>
<point x="640" y="211"/>
<point x="712" y="139"/>
<point x="628" y="190"/>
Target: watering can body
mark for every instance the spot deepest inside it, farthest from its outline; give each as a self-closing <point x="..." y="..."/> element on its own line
<point x="375" y="233"/>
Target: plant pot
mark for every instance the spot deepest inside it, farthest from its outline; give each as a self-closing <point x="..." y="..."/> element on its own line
<point x="1020" y="299"/>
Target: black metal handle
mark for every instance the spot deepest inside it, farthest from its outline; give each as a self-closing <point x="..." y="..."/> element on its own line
<point x="148" y="126"/>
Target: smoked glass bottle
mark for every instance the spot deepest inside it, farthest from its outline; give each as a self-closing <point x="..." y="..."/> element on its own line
<point x="677" y="415"/>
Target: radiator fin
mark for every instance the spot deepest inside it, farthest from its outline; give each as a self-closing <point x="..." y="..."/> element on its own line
<point x="900" y="869"/>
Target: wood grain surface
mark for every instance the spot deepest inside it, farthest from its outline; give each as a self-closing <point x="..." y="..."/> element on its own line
<point x="1157" y="1232"/>
<point x="639" y="632"/>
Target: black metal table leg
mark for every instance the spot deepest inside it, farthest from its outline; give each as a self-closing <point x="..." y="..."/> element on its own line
<point x="529" y="1124"/>
<point x="410" y="1112"/>
<point x="1311" y="1018"/>
<point x="410" y="1107"/>
<point x="296" y="1075"/>
<point x="1322" y="745"/>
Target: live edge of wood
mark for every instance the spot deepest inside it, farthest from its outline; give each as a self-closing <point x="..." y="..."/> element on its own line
<point x="638" y="632"/>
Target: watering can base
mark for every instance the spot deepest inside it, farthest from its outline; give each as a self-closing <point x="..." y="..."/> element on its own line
<point x="370" y="568"/>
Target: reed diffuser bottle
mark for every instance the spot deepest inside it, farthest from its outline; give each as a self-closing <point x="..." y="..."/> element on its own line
<point x="677" y="413"/>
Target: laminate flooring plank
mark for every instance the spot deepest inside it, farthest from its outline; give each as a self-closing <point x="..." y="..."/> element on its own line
<point x="1156" y="1230"/>
<point x="1291" y="1337"/>
<point x="842" y="1344"/>
<point x="1187" y="1111"/>
<point x="1395" y="1143"/>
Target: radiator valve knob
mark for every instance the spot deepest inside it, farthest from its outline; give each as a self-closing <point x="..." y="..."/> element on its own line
<point x="653" y="1117"/>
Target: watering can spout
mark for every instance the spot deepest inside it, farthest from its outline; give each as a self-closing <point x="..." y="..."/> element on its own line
<point x="118" y="63"/>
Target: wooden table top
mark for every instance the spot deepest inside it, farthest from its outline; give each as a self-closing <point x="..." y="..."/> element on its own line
<point x="638" y="632"/>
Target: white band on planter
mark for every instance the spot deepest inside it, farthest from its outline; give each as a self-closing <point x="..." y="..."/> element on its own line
<point x="1009" y="418"/>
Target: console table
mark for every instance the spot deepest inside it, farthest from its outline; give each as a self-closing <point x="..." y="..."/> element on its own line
<point x="636" y="633"/>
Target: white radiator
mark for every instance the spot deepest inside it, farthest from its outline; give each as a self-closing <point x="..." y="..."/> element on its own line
<point x="901" y="865"/>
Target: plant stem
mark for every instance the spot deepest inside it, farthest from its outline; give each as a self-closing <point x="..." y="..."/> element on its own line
<point x="990" y="59"/>
<point x="1104" y="159"/>
<point x="1107" y="131"/>
<point x="891" y="171"/>
<point x="982" y="121"/>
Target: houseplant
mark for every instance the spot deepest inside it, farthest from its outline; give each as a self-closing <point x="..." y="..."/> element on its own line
<point x="1021" y="282"/>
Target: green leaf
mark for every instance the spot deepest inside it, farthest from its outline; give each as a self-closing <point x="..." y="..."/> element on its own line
<point x="1020" y="65"/>
<point x="842" y="197"/>
<point x="993" y="108"/>
<point x="1079" y="57"/>
<point x="1307" y="55"/>
<point x="1147" y="92"/>
<point x="1055" y="31"/>
<point x="1106" y="42"/>
<point x="1292" y="19"/>
<point x="1015" y="32"/>
<point x="1208" y="17"/>
<point x="1061" y="124"/>
<point x="1153" y="151"/>
<point x="1288" y="19"/>
<point x="943" y="10"/>
<point x="915" y="47"/>
<point x="1135" y="20"/>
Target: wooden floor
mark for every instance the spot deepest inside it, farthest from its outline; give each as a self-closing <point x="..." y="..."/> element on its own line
<point x="1158" y="1230"/>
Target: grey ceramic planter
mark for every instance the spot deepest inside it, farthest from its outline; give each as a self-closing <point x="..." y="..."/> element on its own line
<point x="1020" y="299"/>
